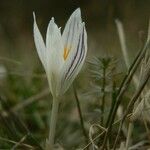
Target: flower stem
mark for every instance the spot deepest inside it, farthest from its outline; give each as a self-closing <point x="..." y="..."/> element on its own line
<point x="53" y="120"/>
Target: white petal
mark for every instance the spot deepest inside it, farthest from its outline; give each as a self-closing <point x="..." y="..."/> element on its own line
<point x="73" y="66"/>
<point x="71" y="32"/>
<point x="80" y="53"/>
<point x="39" y="43"/>
<point x="54" y="53"/>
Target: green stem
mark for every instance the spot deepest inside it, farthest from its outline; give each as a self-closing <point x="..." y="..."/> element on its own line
<point x="53" y="120"/>
<point x="103" y="97"/>
<point x="80" y="116"/>
<point x="103" y="100"/>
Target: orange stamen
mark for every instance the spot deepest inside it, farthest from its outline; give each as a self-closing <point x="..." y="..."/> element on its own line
<point x="66" y="52"/>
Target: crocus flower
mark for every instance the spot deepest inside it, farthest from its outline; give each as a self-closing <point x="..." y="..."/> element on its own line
<point x="63" y="54"/>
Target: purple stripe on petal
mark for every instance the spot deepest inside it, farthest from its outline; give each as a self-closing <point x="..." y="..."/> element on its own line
<point x="68" y="74"/>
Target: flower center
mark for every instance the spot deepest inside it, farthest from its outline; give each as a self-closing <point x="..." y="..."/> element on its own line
<point x="66" y="52"/>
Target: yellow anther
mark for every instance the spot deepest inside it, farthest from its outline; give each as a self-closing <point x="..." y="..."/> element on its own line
<point x="66" y="52"/>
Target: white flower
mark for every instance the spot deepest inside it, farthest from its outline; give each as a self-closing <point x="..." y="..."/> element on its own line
<point x="63" y="55"/>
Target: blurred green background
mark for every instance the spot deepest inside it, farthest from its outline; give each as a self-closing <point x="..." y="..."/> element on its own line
<point x="16" y="23"/>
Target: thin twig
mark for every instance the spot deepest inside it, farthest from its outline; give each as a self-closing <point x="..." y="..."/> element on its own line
<point x="130" y="105"/>
<point x="19" y="143"/>
<point x="99" y="135"/>
<point x="90" y="133"/>
<point x="126" y="81"/>
<point x="124" y="49"/>
<point x="80" y="115"/>
<point x="13" y="142"/>
<point x="106" y="129"/>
